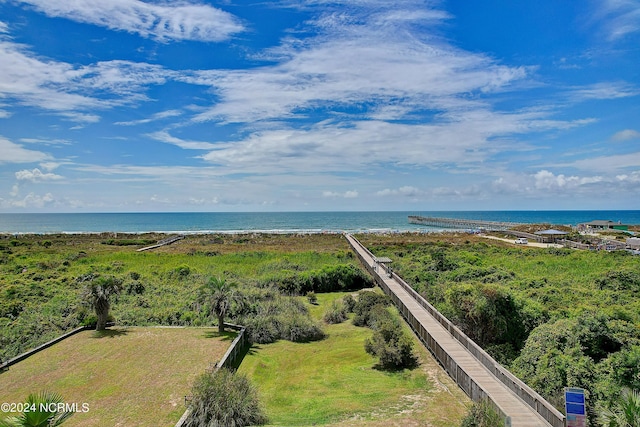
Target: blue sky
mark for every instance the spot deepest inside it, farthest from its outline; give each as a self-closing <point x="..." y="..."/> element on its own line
<point x="129" y="105"/>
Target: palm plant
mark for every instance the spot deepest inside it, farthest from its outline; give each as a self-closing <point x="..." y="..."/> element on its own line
<point x="98" y="293"/>
<point x="218" y="296"/>
<point x="625" y="412"/>
<point x="40" y="413"/>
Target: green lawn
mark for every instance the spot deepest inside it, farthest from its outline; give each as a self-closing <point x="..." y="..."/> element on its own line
<point x="333" y="381"/>
<point x="127" y="376"/>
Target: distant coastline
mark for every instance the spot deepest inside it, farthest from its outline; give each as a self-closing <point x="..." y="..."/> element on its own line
<point x="280" y="222"/>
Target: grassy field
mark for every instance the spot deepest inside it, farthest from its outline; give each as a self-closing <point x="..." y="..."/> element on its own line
<point x="127" y="376"/>
<point x="333" y="382"/>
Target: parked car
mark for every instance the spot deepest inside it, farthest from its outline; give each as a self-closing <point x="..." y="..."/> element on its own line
<point x="521" y="241"/>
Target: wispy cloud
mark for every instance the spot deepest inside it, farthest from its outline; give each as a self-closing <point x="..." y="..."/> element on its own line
<point x="165" y="137"/>
<point x="405" y="191"/>
<point x="356" y="64"/>
<point x="607" y="90"/>
<point x="164" y="21"/>
<point x="350" y="194"/>
<point x="620" y="17"/>
<point x="155" y="117"/>
<point x="11" y="152"/>
<point x="75" y="92"/>
<point x="626" y="135"/>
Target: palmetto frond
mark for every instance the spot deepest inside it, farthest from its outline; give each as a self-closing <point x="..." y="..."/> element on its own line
<point x="43" y="412"/>
<point x="625" y="412"/>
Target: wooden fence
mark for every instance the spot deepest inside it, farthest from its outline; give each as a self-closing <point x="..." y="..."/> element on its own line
<point x="228" y="360"/>
<point x="464" y="381"/>
<point x="21" y="357"/>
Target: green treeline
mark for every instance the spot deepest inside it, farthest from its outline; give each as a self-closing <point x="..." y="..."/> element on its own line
<point x="556" y="317"/>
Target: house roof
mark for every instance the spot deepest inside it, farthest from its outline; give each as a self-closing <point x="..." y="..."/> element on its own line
<point x="552" y="232"/>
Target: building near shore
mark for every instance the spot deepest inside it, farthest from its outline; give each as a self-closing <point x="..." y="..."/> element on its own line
<point x="602" y="225"/>
<point x="633" y="242"/>
<point x="551" y="235"/>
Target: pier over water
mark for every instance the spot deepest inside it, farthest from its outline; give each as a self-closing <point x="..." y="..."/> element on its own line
<point x="462" y="224"/>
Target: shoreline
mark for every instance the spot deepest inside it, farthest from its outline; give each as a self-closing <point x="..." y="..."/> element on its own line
<point x="4" y="234"/>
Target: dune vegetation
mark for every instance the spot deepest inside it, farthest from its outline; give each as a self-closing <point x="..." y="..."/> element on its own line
<point x="556" y="317"/>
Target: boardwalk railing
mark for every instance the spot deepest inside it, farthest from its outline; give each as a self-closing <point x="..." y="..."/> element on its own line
<point x="464" y="381"/>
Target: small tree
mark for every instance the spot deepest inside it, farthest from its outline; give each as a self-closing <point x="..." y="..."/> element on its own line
<point x="42" y="412"/>
<point x="389" y="343"/>
<point x="98" y="293"/>
<point x="218" y="296"/>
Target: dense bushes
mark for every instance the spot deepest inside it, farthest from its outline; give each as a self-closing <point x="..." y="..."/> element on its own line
<point x="224" y="399"/>
<point x="335" y="278"/>
<point x="492" y="317"/>
<point x="389" y="342"/>
<point x="592" y="351"/>
<point x="365" y="303"/>
<point x="270" y="317"/>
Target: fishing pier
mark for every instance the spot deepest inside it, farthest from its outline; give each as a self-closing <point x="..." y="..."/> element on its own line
<point x="462" y="224"/>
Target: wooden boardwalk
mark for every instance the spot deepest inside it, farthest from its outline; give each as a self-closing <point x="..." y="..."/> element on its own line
<point x="479" y="376"/>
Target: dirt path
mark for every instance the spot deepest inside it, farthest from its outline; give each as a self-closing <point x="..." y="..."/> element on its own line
<point x="530" y="244"/>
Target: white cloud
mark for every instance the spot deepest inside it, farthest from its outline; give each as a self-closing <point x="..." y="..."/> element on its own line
<point x="164" y="136"/>
<point x="607" y="90"/>
<point x="45" y="141"/>
<point x="31" y="200"/>
<point x="405" y="191"/>
<point x="14" y="153"/>
<point x="357" y="62"/>
<point x="165" y="21"/>
<point x="155" y="117"/>
<point x="545" y="184"/>
<point x="49" y="166"/>
<point x="36" y="175"/>
<point x="457" y="141"/>
<point x="545" y="180"/>
<point x="70" y="90"/>
<point x="626" y="135"/>
<point x="4" y="28"/>
<point x="607" y="164"/>
<point x="350" y="194"/>
<point x="621" y="17"/>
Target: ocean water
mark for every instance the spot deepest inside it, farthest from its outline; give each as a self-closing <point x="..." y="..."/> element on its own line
<point x="286" y="222"/>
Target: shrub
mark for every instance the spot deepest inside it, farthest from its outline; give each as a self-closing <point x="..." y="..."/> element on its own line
<point x="299" y="328"/>
<point x="337" y="313"/>
<point x="181" y="271"/>
<point x="389" y="342"/>
<point x="482" y="414"/>
<point x="224" y="398"/>
<point x="312" y="297"/>
<point x="280" y="318"/>
<point x="366" y="301"/>
<point x="349" y="303"/>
